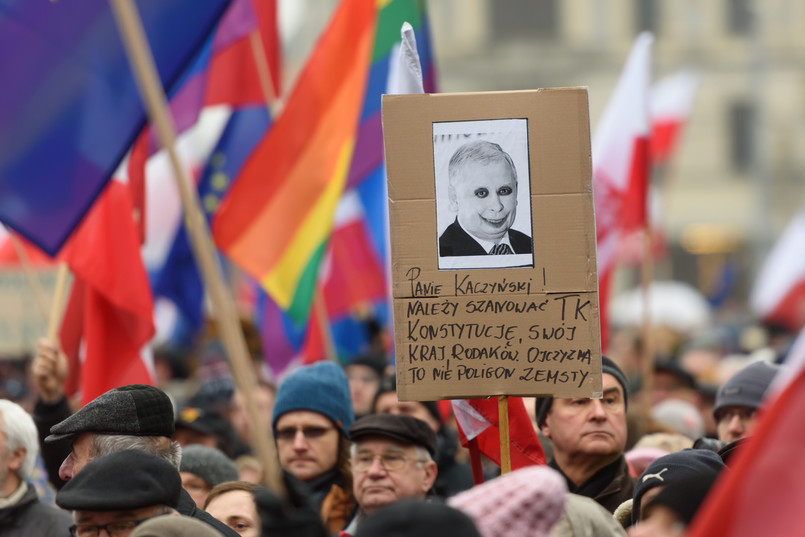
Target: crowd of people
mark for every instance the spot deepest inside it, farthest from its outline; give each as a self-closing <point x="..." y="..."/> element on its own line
<point x="355" y="462"/>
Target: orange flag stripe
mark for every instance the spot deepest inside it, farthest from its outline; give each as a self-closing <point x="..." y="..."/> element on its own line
<point x="313" y="170"/>
<point x="283" y="179"/>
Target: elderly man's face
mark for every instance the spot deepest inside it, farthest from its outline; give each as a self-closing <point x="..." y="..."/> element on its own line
<point x="378" y="485"/>
<point x="79" y="456"/>
<point x="307" y="443"/>
<point x="10" y="463"/>
<point x="581" y="429"/>
<point x="485" y="198"/>
<point x="121" y="523"/>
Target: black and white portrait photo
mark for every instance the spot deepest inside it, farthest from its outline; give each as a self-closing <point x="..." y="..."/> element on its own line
<point x="483" y="194"/>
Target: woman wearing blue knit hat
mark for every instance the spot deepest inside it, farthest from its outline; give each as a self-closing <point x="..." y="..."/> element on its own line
<point x="312" y="415"/>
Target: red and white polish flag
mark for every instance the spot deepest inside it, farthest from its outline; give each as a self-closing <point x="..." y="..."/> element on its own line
<point x="778" y="295"/>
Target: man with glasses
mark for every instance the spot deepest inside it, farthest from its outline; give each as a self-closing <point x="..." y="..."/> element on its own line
<point x="392" y="459"/>
<point x="739" y="399"/>
<point x="135" y="416"/>
<point x="312" y="415"/>
<point x="108" y="498"/>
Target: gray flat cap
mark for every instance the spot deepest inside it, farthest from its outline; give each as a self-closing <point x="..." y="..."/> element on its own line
<point x="136" y="410"/>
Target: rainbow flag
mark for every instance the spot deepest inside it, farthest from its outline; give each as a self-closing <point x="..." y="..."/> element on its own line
<point x="353" y="280"/>
<point x="275" y="221"/>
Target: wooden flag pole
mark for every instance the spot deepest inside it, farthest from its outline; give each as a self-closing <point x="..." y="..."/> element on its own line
<point x="56" y="306"/>
<point x="224" y="311"/>
<point x="503" y="425"/>
<point x="647" y="268"/>
<point x="263" y="72"/>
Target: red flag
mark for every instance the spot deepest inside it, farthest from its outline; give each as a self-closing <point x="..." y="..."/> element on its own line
<point x="778" y="295"/>
<point x="620" y="162"/>
<point x="352" y="274"/>
<point x="233" y="73"/>
<point x="113" y="296"/>
<point x="478" y="419"/>
<point x="762" y="493"/>
<point x="670" y="105"/>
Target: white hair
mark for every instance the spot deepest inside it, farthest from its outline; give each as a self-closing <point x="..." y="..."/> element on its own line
<point x="20" y="431"/>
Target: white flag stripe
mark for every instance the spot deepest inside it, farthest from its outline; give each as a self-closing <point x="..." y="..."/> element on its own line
<point x="672" y="97"/>
<point x="783" y="269"/>
<point x="624" y="119"/>
<point x="471" y="422"/>
<point x="405" y="74"/>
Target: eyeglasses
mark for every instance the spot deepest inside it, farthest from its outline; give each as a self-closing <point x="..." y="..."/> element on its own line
<point x="114" y="529"/>
<point x="310" y="433"/>
<point x="744" y="414"/>
<point x="391" y="462"/>
<point x="364" y="379"/>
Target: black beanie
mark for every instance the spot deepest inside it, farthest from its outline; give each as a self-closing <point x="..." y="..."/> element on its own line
<point x="543" y="404"/>
<point x="674" y="467"/>
<point x="684" y="497"/>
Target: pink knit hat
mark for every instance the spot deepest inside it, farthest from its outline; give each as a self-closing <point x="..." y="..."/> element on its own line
<point x="523" y="503"/>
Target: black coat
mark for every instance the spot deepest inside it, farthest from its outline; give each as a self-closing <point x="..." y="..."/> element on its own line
<point x="457" y="242"/>
<point x="610" y="486"/>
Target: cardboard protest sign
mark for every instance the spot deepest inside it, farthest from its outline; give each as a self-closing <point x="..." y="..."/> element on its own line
<point x="22" y="323"/>
<point x="492" y="244"/>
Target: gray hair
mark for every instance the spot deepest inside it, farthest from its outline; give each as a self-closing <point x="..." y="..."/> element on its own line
<point x="479" y="151"/>
<point x="161" y="446"/>
<point x="20" y="431"/>
<point x="422" y="455"/>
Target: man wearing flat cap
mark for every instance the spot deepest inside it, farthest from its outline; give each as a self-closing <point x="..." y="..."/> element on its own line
<point x="136" y="417"/>
<point x="392" y="459"/>
<point x="588" y="437"/>
<point x="108" y="495"/>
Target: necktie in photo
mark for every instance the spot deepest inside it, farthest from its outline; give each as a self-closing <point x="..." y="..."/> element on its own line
<point x="500" y="248"/>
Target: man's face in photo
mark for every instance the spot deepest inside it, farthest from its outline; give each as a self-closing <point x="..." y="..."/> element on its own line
<point x="485" y="198"/>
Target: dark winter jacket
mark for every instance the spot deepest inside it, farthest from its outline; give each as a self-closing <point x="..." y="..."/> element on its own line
<point x="610" y="486"/>
<point x="29" y="517"/>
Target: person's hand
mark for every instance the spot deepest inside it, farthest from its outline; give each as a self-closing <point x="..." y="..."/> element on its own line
<point x="49" y="369"/>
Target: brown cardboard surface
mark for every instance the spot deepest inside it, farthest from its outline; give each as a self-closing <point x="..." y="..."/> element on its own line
<point x="474" y="330"/>
<point x="22" y="323"/>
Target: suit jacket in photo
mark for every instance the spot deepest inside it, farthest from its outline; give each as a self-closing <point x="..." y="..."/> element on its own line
<point x="457" y="242"/>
